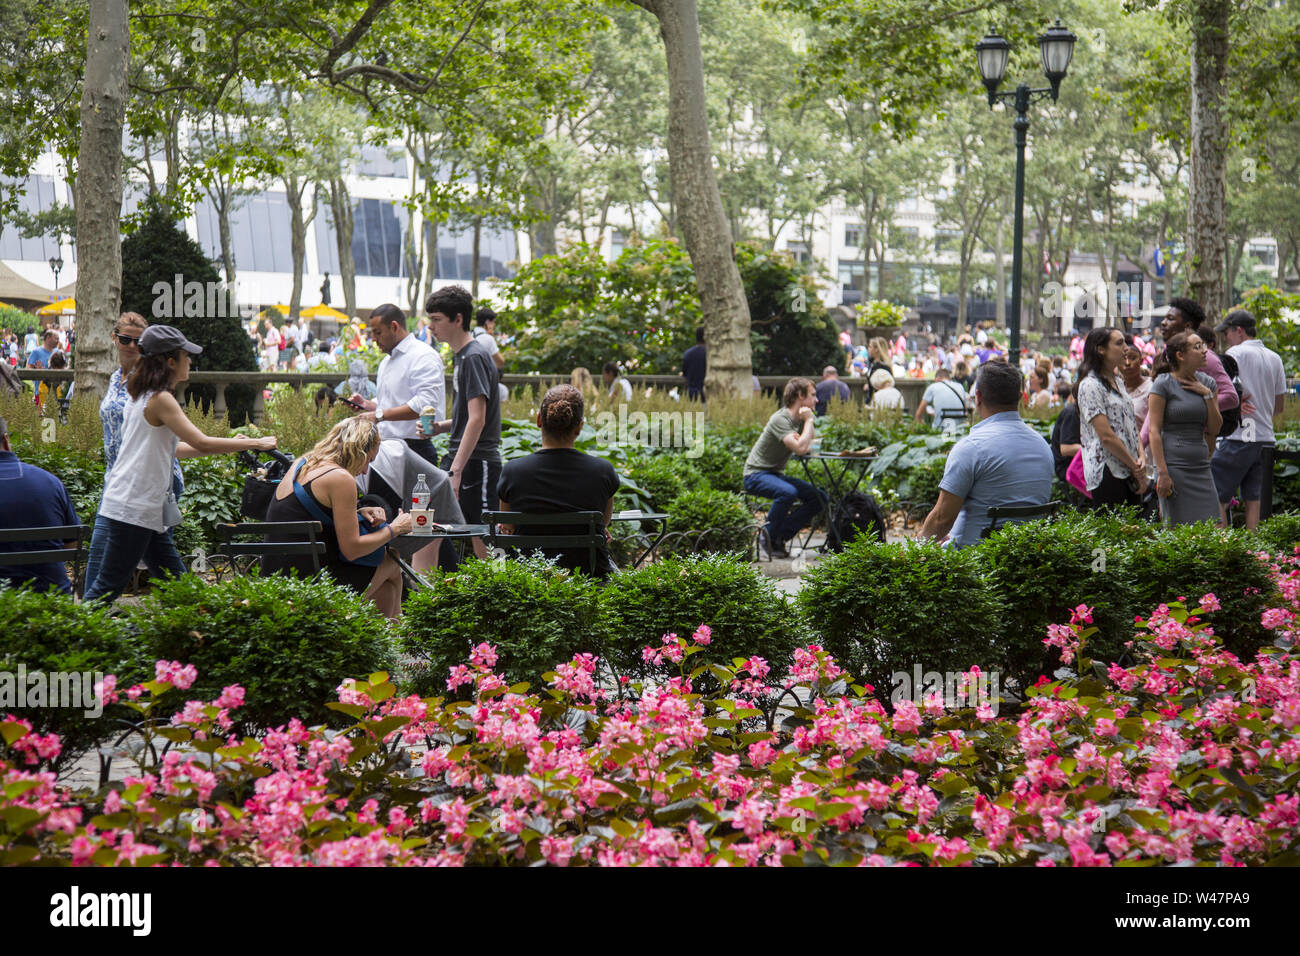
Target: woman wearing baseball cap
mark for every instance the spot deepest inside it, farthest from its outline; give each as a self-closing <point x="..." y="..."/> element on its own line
<point x="138" y="503"/>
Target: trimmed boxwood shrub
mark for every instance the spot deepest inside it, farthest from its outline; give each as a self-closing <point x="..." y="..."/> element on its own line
<point x="665" y="477"/>
<point x="722" y="467"/>
<point x="1279" y="534"/>
<point x="712" y="521"/>
<point x="288" y="641"/>
<point x="1042" y="570"/>
<point x="882" y="608"/>
<point x="748" y="615"/>
<point x="50" y="632"/>
<point x="1189" y="561"/>
<point x="535" y="614"/>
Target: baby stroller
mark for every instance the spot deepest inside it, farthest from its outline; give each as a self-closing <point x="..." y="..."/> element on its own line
<point x="260" y="482"/>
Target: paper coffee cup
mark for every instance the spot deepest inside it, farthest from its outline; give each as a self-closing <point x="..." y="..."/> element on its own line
<point x="426" y="422"/>
<point x="422" y="521"/>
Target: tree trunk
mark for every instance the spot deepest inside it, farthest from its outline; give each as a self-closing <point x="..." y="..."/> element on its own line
<point x="698" y="203"/>
<point x="220" y="194"/>
<point x="474" y="270"/>
<point x="1206" y="205"/>
<point x="99" y="194"/>
<point x="297" y="240"/>
<point x="344" y="223"/>
<point x="431" y="260"/>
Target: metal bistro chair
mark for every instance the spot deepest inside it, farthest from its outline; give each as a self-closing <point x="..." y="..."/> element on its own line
<point x="999" y="516"/>
<point x="308" y="531"/>
<point x="591" y="539"/>
<point x="77" y="554"/>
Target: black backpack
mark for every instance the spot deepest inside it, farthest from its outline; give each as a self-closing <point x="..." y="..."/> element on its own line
<point x="1231" y="417"/>
<point x="858" y="514"/>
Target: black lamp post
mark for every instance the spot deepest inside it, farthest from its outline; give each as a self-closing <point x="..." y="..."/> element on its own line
<point x="56" y="266"/>
<point x="992" y="52"/>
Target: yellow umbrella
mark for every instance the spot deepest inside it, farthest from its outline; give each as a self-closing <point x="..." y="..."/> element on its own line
<point x="62" y="307"/>
<point x="324" y="312"/>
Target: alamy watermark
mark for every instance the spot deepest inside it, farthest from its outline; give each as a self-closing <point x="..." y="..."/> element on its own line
<point x="957" y="689"/>
<point x="195" y="299"/>
<point x="59" y="689"/>
<point x="1108" y="299"/>
<point x="652" y="429"/>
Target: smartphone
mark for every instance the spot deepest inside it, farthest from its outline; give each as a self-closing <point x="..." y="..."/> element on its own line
<point x="348" y="401"/>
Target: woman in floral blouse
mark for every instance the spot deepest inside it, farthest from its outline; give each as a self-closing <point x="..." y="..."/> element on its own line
<point x="1113" y="466"/>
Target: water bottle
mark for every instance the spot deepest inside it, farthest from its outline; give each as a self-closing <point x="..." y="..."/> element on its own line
<point x="421" y="522"/>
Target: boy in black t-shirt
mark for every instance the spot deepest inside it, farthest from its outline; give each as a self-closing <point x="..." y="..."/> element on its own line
<point x="474" y="460"/>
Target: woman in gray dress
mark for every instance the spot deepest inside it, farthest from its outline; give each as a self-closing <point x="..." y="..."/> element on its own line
<point x="1183" y="412"/>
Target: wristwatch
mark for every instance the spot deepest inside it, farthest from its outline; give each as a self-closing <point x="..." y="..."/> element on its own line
<point x="379" y="414"/>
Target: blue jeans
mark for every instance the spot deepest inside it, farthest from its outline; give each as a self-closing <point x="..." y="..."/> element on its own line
<point x="124" y="546"/>
<point x="783" y="490"/>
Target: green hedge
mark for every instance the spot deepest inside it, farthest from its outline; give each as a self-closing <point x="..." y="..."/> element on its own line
<point x="886" y="608"/>
<point x="1280" y="533"/>
<point x="748" y="615"/>
<point x="710" y="521"/>
<point x="48" y="631"/>
<point x="288" y="642"/>
<point x="1189" y="561"/>
<point x="535" y="614"/>
<point x="1042" y="570"/>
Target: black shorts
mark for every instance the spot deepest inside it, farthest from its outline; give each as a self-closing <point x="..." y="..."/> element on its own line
<point x="1238" y="464"/>
<point x="478" y="487"/>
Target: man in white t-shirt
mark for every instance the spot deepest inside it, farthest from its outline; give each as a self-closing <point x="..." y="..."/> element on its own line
<point x="945" y="400"/>
<point x="1238" y="461"/>
<point x="484" y="332"/>
<point x="614" y="381"/>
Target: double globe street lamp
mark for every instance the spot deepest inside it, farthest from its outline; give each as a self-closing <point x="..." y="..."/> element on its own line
<point x="992" y="53"/>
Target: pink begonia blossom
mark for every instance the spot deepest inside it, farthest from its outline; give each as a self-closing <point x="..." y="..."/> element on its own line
<point x="182" y="677"/>
<point x="1276" y="617"/>
<point x="106" y="690"/>
<point x="703" y="635"/>
<point x="1081" y="615"/>
<point x="1209" y="603"/>
<point x="484" y="655"/>
<point x="232" y="697"/>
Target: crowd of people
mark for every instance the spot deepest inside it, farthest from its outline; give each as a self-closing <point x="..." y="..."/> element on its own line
<point x="1189" y="427"/>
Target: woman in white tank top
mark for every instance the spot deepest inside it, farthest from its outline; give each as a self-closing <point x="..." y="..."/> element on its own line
<point x="137" y="499"/>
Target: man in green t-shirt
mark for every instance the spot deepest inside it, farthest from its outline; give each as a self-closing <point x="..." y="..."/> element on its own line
<point x="788" y="432"/>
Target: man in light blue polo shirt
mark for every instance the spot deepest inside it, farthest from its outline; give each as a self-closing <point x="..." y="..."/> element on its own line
<point x="1001" y="462"/>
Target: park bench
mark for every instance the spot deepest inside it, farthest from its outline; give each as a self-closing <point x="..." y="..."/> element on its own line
<point x="77" y="554"/>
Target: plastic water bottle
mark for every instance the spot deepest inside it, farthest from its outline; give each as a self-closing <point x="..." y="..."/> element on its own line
<point x="420" y="497"/>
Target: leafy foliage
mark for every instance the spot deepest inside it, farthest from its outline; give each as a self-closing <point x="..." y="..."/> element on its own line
<point x="716" y="521"/>
<point x="791" y="331"/>
<point x="286" y="642"/>
<point x="743" y="608"/>
<point x="50" y="632"/>
<point x="159" y="251"/>
<point x="1278" y="317"/>
<point x="532" y="611"/>
<point x="885" y="608"/>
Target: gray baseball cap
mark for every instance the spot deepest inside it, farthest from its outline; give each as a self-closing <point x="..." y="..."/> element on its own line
<point x="162" y="339"/>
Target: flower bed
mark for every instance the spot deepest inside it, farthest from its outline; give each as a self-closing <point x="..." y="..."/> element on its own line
<point x="1189" y="755"/>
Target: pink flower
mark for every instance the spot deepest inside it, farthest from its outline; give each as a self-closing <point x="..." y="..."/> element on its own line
<point x="1081" y="615"/>
<point x="1276" y="617"/>
<point x="231" y="697"/>
<point x="703" y="635"/>
<point x="757" y="667"/>
<point x="172" y="672"/>
<point x="485" y="655"/>
<point x="106" y="690"/>
<point x="1209" y="603"/>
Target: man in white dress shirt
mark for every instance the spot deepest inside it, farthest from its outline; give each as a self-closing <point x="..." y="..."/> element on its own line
<point x="410" y="378"/>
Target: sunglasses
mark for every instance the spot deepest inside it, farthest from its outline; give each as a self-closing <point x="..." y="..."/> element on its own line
<point x="126" y="339"/>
